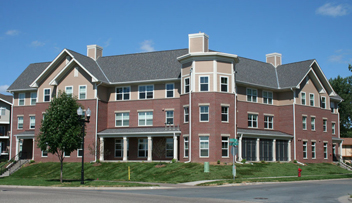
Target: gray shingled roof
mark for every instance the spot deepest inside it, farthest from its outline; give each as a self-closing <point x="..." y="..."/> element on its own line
<point x="7" y="98"/>
<point x="336" y="98"/>
<point x="291" y="74"/>
<point x="269" y="133"/>
<point x="28" y="76"/>
<point x="137" y="130"/>
<point x="142" y="66"/>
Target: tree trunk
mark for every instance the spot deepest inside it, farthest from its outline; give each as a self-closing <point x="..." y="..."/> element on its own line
<point x="61" y="162"/>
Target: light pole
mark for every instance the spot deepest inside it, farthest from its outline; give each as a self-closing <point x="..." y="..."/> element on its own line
<point x="83" y="122"/>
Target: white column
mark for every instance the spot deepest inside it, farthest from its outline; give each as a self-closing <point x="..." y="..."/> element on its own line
<point x="33" y="149"/>
<point x="274" y="149"/>
<point x="17" y="148"/>
<point x="175" y="147"/>
<point x="340" y="151"/>
<point x="240" y="148"/>
<point x="150" y="148"/>
<point x="124" y="148"/>
<point x="101" y="149"/>
<point x="257" y="150"/>
<point x="289" y="150"/>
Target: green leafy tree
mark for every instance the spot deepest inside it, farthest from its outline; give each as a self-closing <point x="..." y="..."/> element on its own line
<point x="343" y="87"/>
<point x="60" y="130"/>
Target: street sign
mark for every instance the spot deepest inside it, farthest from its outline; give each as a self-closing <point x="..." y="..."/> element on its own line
<point x="233" y="142"/>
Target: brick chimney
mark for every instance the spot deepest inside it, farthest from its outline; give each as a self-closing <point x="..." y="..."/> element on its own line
<point x="198" y="42"/>
<point x="274" y="58"/>
<point x="94" y="51"/>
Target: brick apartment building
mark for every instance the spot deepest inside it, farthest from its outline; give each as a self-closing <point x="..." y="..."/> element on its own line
<point x="183" y="104"/>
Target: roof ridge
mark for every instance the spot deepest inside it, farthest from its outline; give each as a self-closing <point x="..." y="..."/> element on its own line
<point x="255" y="60"/>
<point x="297" y="62"/>
<point x="144" y="53"/>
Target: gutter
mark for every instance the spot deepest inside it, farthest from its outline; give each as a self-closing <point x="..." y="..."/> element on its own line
<point x="13" y="100"/>
<point x="190" y="117"/>
<point x="294" y="123"/>
<point x="96" y="122"/>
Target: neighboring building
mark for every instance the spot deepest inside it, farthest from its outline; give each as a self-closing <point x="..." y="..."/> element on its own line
<point x="5" y="126"/>
<point x="188" y="102"/>
<point x="347" y="149"/>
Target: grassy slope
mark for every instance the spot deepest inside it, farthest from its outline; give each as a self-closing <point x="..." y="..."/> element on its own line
<point x="48" y="173"/>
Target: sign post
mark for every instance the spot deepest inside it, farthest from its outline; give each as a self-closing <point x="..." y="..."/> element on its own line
<point x="234" y="144"/>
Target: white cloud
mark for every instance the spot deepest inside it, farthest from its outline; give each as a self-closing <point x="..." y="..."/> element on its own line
<point x="107" y="43"/>
<point x="329" y="9"/>
<point x="341" y="56"/>
<point x="37" y="44"/>
<point x="3" y="88"/>
<point x="12" y="32"/>
<point x="146" y="46"/>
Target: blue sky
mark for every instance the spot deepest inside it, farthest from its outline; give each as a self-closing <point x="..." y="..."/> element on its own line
<point x="37" y="31"/>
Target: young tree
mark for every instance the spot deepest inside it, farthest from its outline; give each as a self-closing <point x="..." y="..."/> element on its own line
<point x="60" y="130"/>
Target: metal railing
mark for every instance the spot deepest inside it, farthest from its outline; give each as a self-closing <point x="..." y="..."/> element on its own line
<point x="7" y="165"/>
<point x="342" y="164"/>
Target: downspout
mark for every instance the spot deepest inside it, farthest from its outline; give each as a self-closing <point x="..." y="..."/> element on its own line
<point x="190" y="118"/>
<point x="96" y="121"/>
<point x="294" y="123"/>
<point x="13" y="101"/>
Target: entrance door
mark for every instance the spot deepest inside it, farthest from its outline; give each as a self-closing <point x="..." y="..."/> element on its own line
<point x="281" y="150"/>
<point x="334" y="152"/>
<point x="249" y="149"/>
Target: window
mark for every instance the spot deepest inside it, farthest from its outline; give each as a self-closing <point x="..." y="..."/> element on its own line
<point x="325" y="123"/>
<point x="169" y="147"/>
<point x="122" y="119"/>
<point x="312" y="123"/>
<point x="20" y="122"/>
<point x="33" y="98"/>
<point x="67" y="154"/>
<point x="252" y="121"/>
<point x="186" y="85"/>
<point x="311" y="99"/>
<point x="21" y="97"/>
<point x="80" y="151"/>
<point x="204" y="113"/>
<point x="186" y="143"/>
<point x="146" y="91"/>
<point x="225" y="147"/>
<point x="333" y="128"/>
<point x="323" y="102"/>
<point x="2" y="111"/>
<point x="169" y="117"/>
<point x="204" y="146"/>
<point x="46" y="95"/>
<point x="224" y="84"/>
<point x="332" y="106"/>
<point x="82" y="92"/>
<point x="69" y="90"/>
<point x="142" y="147"/>
<point x="303" y="98"/>
<point x="313" y="150"/>
<point x="225" y="114"/>
<point x="251" y="95"/>
<point x="325" y="150"/>
<point x="31" y="122"/>
<point x="204" y="83"/>
<point x="304" y="150"/>
<point x="267" y="97"/>
<point x="118" y="148"/>
<point x="123" y="93"/>
<point x="169" y="90"/>
<point x="44" y="153"/>
<point x="186" y="113"/>
<point x="145" y="118"/>
<point x="268" y="122"/>
<point x="304" y="122"/>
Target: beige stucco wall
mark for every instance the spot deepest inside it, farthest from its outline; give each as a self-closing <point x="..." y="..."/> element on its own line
<point x="5" y="118"/>
<point x="285" y="98"/>
<point x="204" y="66"/>
<point x="196" y="44"/>
<point x="27" y="99"/>
<point x="91" y="53"/>
<point x="186" y="68"/>
<point x="309" y="87"/>
<point x="224" y="67"/>
<point x="103" y="93"/>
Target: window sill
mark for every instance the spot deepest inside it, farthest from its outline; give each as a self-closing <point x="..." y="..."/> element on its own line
<point x="225" y="157"/>
<point x="268" y="128"/>
<point x="122" y="126"/>
<point x="204" y="157"/>
<point x="204" y="121"/>
<point x="225" y="122"/>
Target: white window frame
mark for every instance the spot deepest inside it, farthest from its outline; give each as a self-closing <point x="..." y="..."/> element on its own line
<point x="79" y="92"/>
<point x="2" y="111"/>
<point x="227" y="83"/>
<point x="124" y="115"/>
<point x="169" y="117"/>
<point x="80" y="149"/>
<point x="269" y="99"/>
<point x="226" y="141"/>
<point x="30" y="122"/>
<point x="203" y="148"/>
<point x="253" y="118"/>
<point x="21" y="97"/>
<point x="143" y="141"/>
<point x="304" y="122"/>
<point x="203" y="113"/>
<point x="185" y="86"/>
<point x="46" y="153"/>
<point x="268" y="120"/>
<point x="34" y="98"/>
<point x="185" y="147"/>
<point x="303" y="98"/>
<point x="146" y="91"/>
<point x="186" y="114"/>
<point x="145" y="114"/>
<point x="312" y="123"/>
<point x="250" y="96"/>
<point x="314" y="149"/>
<point x="333" y="128"/>
<point x="169" y="142"/>
<point x="115" y="144"/>
<point x="18" y="122"/>
<point x="325" y="125"/>
<point x="173" y="90"/>
<point x="323" y="102"/>
<point x="311" y="101"/>
<point x="325" y="150"/>
<point x="123" y="93"/>
<point x="71" y="90"/>
<point x="200" y="84"/>
<point x="305" y="154"/>
<point x="225" y="114"/>
<point x="46" y="95"/>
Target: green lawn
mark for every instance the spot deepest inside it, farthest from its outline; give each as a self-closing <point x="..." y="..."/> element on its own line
<point x="113" y="174"/>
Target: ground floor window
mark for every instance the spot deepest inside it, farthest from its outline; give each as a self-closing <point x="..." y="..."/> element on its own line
<point x="305" y="150"/>
<point x="142" y="147"/>
<point x="225" y="147"/>
<point x="80" y="151"/>
<point x="169" y="147"/>
<point x="118" y="147"/>
<point x="204" y="146"/>
<point x="44" y="153"/>
<point x="325" y="150"/>
<point x="249" y="149"/>
<point x="186" y="147"/>
<point x="313" y="150"/>
<point x="266" y="150"/>
<point x="281" y="150"/>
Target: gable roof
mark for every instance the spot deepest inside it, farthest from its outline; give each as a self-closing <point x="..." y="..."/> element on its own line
<point x="290" y="75"/>
<point x="6" y="98"/>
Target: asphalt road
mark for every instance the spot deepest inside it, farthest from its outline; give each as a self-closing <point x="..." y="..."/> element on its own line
<point x="307" y="191"/>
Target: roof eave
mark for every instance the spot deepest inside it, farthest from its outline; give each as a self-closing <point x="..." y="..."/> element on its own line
<point x="207" y="54"/>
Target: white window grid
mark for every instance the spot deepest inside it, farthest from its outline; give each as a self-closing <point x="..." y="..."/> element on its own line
<point x="268" y="122"/>
<point x="32" y="122"/>
<point x="311" y="99"/>
<point x="304" y="122"/>
<point x="313" y="150"/>
<point x="203" y="113"/>
<point x="122" y="119"/>
<point x="33" y="98"/>
<point x="303" y="98"/>
<point x="47" y="95"/>
<point x="325" y="125"/>
<point x="325" y="150"/>
<point x="21" y="99"/>
<point x="169" y="117"/>
<point x="225" y="147"/>
<point x="312" y="123"/>
<point x="186" y="86"/>
<point x="145" y="118"/>
<point x="123" y="93"/>
<point x="225" y="114"/>
<point x="80" y="151"/>
<point x="69" y="90"/>
<point x="252" y="120"/>
<point x="323" y="102"/>
<point x="252" y="95"/>
<point x="203" y="83"/>
<point x="146" y="91"/>
<point x="186" y="147"/>
<point x="304" y="150"/>
<point x="204" y="146"/>
<point x="333" y="128"/>
<point x="20" y="122"/>
<point x="2" y="111"/>
<point x="82" y="94"/>
<point x="267" y="97"/>
<point x="186" y="114"/>
<point x="224" y="84"/>
<point x="170" y="88"/>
